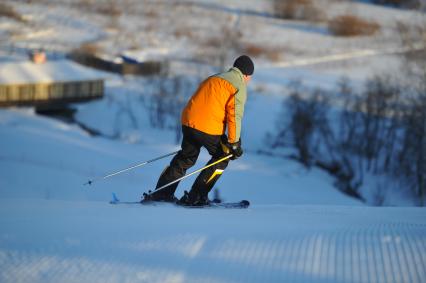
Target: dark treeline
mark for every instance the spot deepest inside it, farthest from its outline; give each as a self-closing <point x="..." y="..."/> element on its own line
<point x="379" y="131"/>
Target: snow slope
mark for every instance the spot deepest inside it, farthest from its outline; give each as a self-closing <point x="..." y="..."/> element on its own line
<point x="298" y="229"/>
<point x="70" y="241"/>
<point x="48" y="159"/>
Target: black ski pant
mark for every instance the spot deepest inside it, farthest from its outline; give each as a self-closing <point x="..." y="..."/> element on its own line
<point x="192" y="142"/>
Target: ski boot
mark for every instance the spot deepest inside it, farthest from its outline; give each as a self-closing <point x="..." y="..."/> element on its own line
<point x="153" y="196"/>
<point x="192" y="199"/>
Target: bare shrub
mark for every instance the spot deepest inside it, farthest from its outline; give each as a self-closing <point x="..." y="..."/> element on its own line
<point x="411" y="4"/>
<point x="350" y="25"/>
<point x="184" y="32"/>
<point x="151" y="13"/>
<point x="167" y="101"/>
<point x="254" y="50"/>
<point x="390" y="2"/>
<point x="88" y="48"/>
<point x="258" y="50"/>
<point x="412" y="154"/>
<point x="108" y="8"/>
<point x="9" y="12"/>
<point x="300" y="122"/>
<point x="379" y="132"/>
<point x="297" y="10"/>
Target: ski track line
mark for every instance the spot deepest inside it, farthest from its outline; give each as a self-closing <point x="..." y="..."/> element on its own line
<point x="388" y="252"/>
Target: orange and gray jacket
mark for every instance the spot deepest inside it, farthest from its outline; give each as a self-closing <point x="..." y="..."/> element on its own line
<point x="218" y="103"/>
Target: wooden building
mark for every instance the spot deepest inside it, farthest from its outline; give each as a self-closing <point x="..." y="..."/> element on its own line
<point x="124" y="66"/>
<point x="51" y="84"/>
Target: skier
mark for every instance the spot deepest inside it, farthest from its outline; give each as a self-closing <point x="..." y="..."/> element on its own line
<point x="217" y="104"/>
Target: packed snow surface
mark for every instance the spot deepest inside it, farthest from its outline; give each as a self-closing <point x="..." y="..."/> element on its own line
<point x="71" y="241"/>
<point x="299" y="227"/>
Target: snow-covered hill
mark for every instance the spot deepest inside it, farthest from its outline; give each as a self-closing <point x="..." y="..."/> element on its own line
<point x="299" y="228"/>
<point x="49" y="159"/>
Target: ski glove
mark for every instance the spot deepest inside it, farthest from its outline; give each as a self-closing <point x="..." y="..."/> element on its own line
<point x="231" y="148"/>
<point x="236" y="150"/>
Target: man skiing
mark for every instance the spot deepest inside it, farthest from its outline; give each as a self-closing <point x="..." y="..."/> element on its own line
<point x="217" y="105"/>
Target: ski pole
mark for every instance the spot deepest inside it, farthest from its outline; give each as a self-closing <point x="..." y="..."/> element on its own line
<point x="128" y="168"/>
<point x="187" y="175"/>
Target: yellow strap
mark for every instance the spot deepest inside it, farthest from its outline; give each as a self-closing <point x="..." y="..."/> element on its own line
<point x="215" y="173"/>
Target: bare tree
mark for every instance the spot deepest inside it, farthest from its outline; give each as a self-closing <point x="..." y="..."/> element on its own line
<point x="377" y="132"/>
<point x="167" y="102"/>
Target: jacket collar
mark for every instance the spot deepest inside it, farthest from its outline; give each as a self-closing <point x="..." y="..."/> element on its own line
<point x="235" y="69"/>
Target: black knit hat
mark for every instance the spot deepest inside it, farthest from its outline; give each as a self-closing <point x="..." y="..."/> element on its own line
<point x="245" y="65"/>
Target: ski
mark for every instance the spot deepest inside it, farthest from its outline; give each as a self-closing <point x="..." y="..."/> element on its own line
<point x="235" y="205"/>
<point x="240" y="204"/>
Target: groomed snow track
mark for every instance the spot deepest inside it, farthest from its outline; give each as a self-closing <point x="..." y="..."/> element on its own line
<point x="103" y="243"/>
